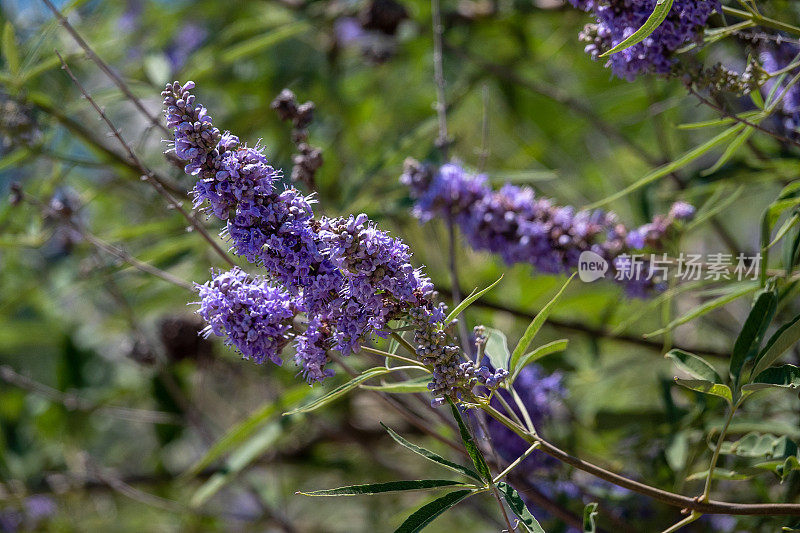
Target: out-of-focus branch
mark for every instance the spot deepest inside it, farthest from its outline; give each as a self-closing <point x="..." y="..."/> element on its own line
<point x="147" y="174"/>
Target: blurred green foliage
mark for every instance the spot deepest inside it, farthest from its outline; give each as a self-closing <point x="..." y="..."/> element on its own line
<point x="108" y="395"/>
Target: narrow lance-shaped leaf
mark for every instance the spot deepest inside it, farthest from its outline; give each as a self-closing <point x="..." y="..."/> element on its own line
<point x="749" y="339"/>
<point x="650" y="25"/>
<point x="341" y="390"/>
<point x="429" y="512"/>
<point x="242" y="431"/>
<point x="540" y="352"/>
<point x="469" y="443"/>
<point x="668" y="168"/>
<point x="694" y="365"/>
<point x="707" y="387"/>
<point x="736" y="292"/>
<point x="468" y="301"/>
<point x="432" y="456"/>
<point x="238" y="460"/>
<point x="518" y="507"/>
<point x="390" y="486"/>
<point x="780" y="342"/>
<point x="535" y="326"/>
<point x="730" y="151"/>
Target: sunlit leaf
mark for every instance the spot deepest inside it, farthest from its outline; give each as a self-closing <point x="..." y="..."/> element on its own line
<point x="694" y="365"/>
<point x="390" y="486"/>
<point x="540" y="352"/>
<point x="466" y="302"/>
<point x="535" y="325"/>
<point x="655" y="19"/>
<point x="706" y="387"/>
<point x="341" y="390"/>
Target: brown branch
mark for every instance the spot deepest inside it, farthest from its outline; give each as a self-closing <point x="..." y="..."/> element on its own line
<point x="592" y="331"/>
<point x="670" y="498"/>
<point x="727" y="114"/>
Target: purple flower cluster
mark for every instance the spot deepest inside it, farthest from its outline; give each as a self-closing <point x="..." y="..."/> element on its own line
<point x="774" y="57"/>
<point x="252" y="314"/>
<point x="346" y="276"/>
<point x="619" y="19"/>
<point x="521" y="228"/>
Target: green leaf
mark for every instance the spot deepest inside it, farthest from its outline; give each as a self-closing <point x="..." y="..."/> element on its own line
<point x="780" y="467"/>
<point x="157" y="68"/>
<point x="341" y="390"/>
<point x="497" y="348"/>
<point x="469" y="443"/>
<point x="260" y="43"/>
<point x="518" y="507"/>
<point x="784" y="377"/>
<point x="242" y="431"/>
<point x="724" y="121"/>
<point x="677" y="452"/>
<point x="719" y="473"/>
<point x="749" y="339"/>
<point x="706" y="387"/>
<point x="788" y="224"/>
<point x="239" y="459"/>
<point x="419" y="384"/>
<point x="760" y="445"/>
<point x="540" y="352"/>
<point x="780" y="342"/>
<point x="534" y="327"/>
<point x="430" y="511"/>
<point x="730" y="150"/>
<point x="589" y="518"/>
<point x="707" y="307"/>
<point x="653" y="21"/>
<point x="668" y="168"/>
<point x="468" y="301"/>
<point x="378" y="488"/>
<point x="10" y="50"/>
<point x="431" y="456"/>
<point x="694" y="365"/>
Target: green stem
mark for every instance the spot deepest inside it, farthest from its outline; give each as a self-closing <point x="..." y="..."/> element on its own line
<point x="508" y="408"/>
<point x="715" y="456"/>
<point x="761" y="20"/>
<point x="407" y="345"/>
<point x="416" y="364"/>
<point x="517" y="461"/>
<point x="685" y="522"/>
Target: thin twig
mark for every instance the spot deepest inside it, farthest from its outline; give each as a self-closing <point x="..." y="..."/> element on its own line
<point x="105" y="68"/>
<point x="107" y="247"/>
<point x="147" y="174"/>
